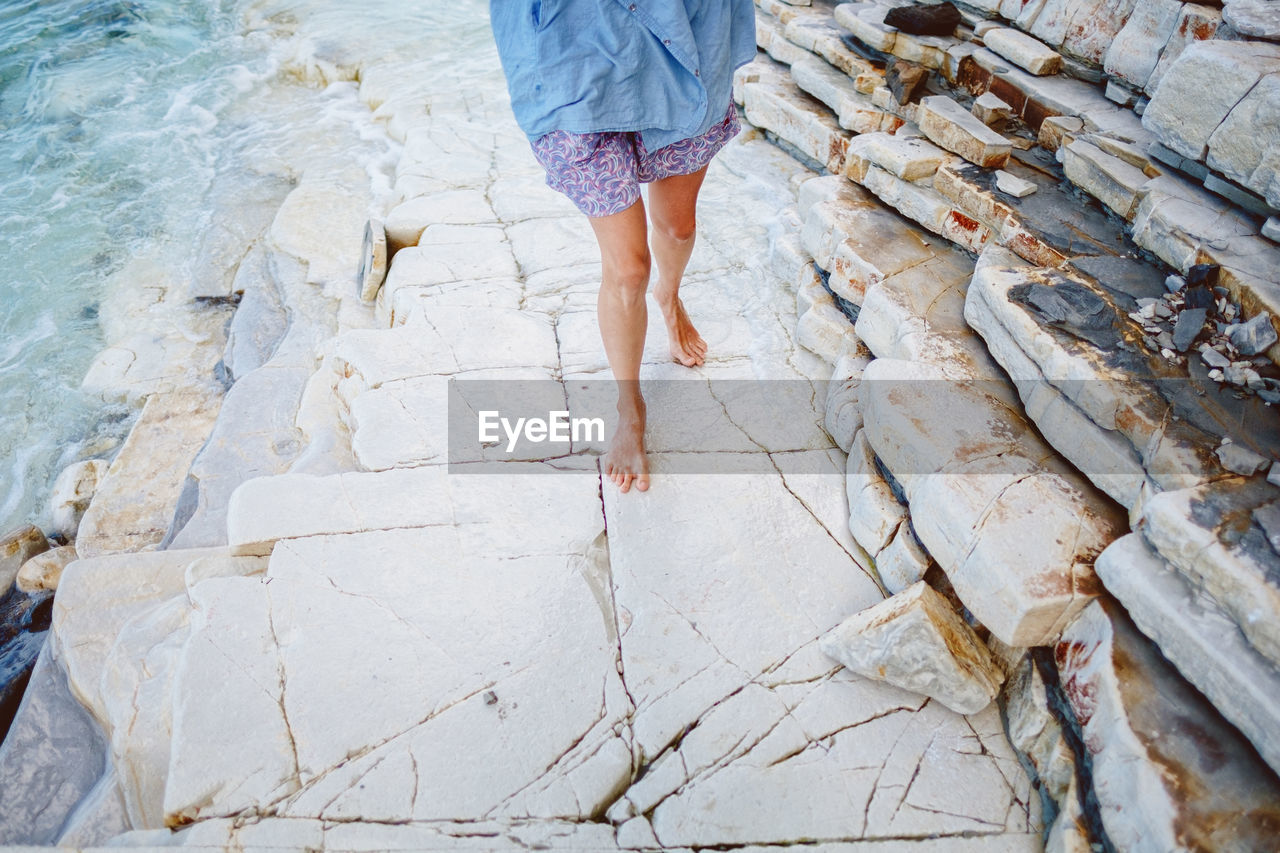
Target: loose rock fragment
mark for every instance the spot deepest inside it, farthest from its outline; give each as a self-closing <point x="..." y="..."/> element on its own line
<point x="990" y="110"/>
<point x="1013" y="185"/>
<point x="16" y="548"/>
<point x="1189" y="324"/>
<point x="1254" y="337"/>
<point x="373" y="260"/>
<point x="72" y="492"/>
<point x="954" y="128"/>
<point x="939" y="20"/>
<point x="1213" y="358"/>
<point x="44" y="570"/>
<point x="905" y="80"/>
<point x="914" y="640"/>
<point x="1240" y="460"/>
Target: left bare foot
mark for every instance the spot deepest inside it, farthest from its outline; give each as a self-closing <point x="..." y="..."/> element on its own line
<point x="625" y="463"/>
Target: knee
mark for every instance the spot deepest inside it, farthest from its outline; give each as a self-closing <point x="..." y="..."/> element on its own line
<point x="630" y="274"/>
<point x="677" y="230"/>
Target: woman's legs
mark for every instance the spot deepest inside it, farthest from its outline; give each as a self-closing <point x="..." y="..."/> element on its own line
<point x="623" y="318"/>
<point x="673" y="204"/>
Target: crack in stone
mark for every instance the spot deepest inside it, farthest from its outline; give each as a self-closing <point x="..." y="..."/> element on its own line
<point x="814" y="740"/>
<point x="372" y="748"/>
<point x="545" y="772"/>
<point x="284" y="711"/>
<point x="871" y="576"/>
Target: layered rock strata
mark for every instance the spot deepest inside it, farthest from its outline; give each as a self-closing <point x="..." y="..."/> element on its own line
<point x="1060" y="318"/>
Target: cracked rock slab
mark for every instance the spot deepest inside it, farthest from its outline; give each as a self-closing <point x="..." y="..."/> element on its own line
<point x="754" y="554"/>
<point x="492" y="651"/>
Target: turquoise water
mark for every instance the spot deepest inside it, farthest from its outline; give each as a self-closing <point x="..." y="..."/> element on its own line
<point x="126" y="130"/>
<point x="96" y="148"/>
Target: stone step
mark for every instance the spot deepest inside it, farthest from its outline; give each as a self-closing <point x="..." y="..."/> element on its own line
<point x="443" y="255"/>
<point x="119" y="625"/>
<point x="773" y="102"/>
<point x="133" y="506"/>
<point x="499" y="836"/>
<point x="1097" y="405"/>
<point x="1148" y="734"/>
<point x="988" y="499"/>
<point x="1199" y="637"/>
<point x="853" y="107"/>
<point x="1203" y="534"/>
<point x="908" y="284"/>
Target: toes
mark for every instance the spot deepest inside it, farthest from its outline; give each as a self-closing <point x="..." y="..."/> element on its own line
<point x="642" y="483"/>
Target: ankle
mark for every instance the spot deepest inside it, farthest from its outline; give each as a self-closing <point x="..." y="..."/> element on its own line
<point x="630" y="407"/>
<point x="667" y="296"/>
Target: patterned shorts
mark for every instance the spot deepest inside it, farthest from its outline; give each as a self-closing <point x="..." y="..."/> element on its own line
<point x="601" y="173"/>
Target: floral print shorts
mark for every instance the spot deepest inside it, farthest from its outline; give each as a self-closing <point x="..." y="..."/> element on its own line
<point x="601" y="173"/>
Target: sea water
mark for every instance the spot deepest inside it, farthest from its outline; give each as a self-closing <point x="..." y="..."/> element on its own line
<point x="127" y="129"/>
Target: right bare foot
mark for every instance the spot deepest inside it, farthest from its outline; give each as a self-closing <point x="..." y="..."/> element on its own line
<point x="687" y="346"/>
<point x="625" y="462"/>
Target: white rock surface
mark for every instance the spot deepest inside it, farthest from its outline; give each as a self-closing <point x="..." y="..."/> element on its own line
<point x="1201" y="88"/>
<point x="433" y="658"/>
<point x="914" y="640"/>
<point x="1246" y="146"/>
<point x="1195" y="23"/>
<point x="1139" y="45"/>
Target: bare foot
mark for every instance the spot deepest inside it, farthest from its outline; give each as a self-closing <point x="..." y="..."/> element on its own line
<point x="625" y="462"/>
<point x="687" y="346"/>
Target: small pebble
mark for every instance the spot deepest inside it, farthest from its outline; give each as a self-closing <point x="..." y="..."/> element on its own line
<point x="1174" y="283"/>
<point x="490" y="698"/>
<point x="1213" y="358"/>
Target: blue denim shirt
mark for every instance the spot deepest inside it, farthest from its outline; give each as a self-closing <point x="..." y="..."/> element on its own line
<point x="662" y="67"/>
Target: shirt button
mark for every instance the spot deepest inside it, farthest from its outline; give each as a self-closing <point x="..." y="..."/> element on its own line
<point x="666" y="41"/>
<point x="697" y="73"/>
<point x="632" y="7"/>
